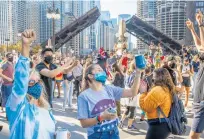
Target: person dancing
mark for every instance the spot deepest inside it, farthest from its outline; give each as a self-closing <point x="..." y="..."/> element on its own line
<point x="198" y="102"/>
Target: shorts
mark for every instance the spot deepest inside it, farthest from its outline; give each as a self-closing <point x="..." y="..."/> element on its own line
<point x="130" y="110"/>
<point x="59" y="81"/>
<point x="186" y="81"/>
<point x="198" y="119"/>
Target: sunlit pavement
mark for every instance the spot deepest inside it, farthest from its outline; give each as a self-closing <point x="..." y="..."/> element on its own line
<point x="68" y="120"/>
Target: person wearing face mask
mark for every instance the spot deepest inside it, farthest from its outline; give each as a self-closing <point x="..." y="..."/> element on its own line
<point x="49" y="71"/>
<point x="7" y="73"/>
<point x="28" y="111"/>
<point x="96" y="104"/>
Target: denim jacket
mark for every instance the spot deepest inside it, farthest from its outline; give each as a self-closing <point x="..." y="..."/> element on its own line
<point x="28" y="121"/>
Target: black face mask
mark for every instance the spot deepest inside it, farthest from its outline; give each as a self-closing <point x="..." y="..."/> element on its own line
<point x="48" y="59"/>
<point x="173" y="65"/>
<point x="10" y="59"/>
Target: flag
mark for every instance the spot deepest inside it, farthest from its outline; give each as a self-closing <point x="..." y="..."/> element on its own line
<point x="102" y="52"/>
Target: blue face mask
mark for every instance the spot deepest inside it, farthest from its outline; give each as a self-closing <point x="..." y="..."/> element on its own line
<point x="35" y="90"/>
<point x="100" y="77"/>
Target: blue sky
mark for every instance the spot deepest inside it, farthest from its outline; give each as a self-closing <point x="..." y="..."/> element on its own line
<point x="117" y="7"/>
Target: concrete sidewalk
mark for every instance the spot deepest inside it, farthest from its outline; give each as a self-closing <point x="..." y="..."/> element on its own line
<point x="68" y="119"/>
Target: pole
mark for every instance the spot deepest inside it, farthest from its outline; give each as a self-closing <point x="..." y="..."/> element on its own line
<point x="53" y="25"/>
<point x="7" y="46"/>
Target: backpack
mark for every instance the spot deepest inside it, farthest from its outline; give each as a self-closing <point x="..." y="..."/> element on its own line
<point x="177" y="119"/>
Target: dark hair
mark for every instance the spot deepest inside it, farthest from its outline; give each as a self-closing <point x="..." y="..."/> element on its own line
<point x="115" y="65"/>
<point x="8" y="54"/>
<point x="46" y="50"/>
<point x="172" y="74"/>
<point x="164" y="79"/>
<point x="148" y="70"/>
<point x="86" y="80"/>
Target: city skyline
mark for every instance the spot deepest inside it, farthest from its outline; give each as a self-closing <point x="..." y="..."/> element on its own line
<point x="17" y="16"/>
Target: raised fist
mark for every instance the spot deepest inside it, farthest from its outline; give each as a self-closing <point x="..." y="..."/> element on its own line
<point x="199" y="17"/>
<point x="28" y="36"/>
<point x="189" y="24"/>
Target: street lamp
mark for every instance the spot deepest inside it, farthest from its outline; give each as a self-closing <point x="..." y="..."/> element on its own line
<point x="53" y="14"/>
<point x="7" y="40"/>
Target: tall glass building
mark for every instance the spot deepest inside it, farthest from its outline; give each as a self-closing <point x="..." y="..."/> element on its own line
<point x="171" y="18"/>
<point x="147" y="11"/>
<point x="8" y="22"/>
<point x="46" y="25"/>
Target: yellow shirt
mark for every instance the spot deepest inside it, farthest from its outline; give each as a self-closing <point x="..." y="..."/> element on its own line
<point x="150" y="101"/>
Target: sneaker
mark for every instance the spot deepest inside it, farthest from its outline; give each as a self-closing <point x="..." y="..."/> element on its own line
<point x="58" y="96"/>
<point x="132" y="128"/>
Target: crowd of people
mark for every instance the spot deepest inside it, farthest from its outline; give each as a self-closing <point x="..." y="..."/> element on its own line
<point x="102" y="85"/>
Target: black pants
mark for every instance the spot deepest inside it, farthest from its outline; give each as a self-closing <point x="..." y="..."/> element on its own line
<point x="158" y="131"/>
<point x="77" y="84"/>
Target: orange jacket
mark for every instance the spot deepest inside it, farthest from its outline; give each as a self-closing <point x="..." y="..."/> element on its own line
<point x="158" y="96"/>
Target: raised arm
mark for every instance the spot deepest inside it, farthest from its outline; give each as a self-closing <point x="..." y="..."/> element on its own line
<point x="68" y="67"/>
<point x="199" y="18"/>
<point x="21" y="73"/>
<point x="196" y="39"/>
<point x="135" y="87"/>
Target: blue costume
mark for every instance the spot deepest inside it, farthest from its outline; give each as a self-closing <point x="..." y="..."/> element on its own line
<point x="27" y="121"/>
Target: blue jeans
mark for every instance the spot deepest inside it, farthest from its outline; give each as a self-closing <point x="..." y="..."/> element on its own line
<point x="113" y="134"/>
<point x="68" y="93"/>
<point x="6" y="91"/>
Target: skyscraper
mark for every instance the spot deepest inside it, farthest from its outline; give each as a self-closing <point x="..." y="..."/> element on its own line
<point x="146" y="10"/>
<point x="20" y="15"/>
<point x="46" y="25"/>
<point x="8" y="22"/>
<point x="171" y="17"/>
<point x="192" y="9"/>
<point x="107" y="35"/>
<point x="90" y="37"/>
<point x="105" y="15"/>
<point x="114" y="21"/>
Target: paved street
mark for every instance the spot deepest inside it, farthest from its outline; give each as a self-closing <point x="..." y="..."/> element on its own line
<point x="68" y="119"/>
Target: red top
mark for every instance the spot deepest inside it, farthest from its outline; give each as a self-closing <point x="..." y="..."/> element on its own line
<point x="125" y="62"/>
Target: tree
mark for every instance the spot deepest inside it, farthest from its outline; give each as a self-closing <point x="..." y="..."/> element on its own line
<point x="2" y="49"/>
<point x="36" y="48"/>
<point x="17" y="47"/>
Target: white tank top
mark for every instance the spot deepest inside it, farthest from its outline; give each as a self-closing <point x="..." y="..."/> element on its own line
<point x="185" y="69"/>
